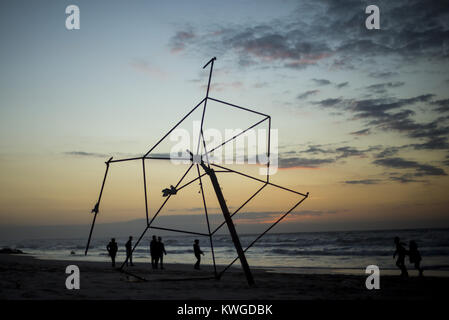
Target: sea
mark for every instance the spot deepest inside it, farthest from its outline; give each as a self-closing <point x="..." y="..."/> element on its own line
<point x="347" y="252"/>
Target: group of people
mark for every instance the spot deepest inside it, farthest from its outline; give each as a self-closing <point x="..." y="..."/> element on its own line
<point x="157" y="252"/>
<point x="112" y="249"/>
<point x="412" y="252"/>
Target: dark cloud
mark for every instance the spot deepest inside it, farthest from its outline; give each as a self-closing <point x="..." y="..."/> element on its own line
<point x="263" y="216"/>
<point x="346" y="152"/>
<point x="388" y="152"/>
<point x="303" y="162"/>
<point x="118" y="155"/>
<point x="331" y="102"/>
<point x="267" y="43"/>
<point x="306" y="94"/>
<point x="363" y="132"/>
<point x="387" y="114"/>
<point x="410" y="30"/>
<point x="342" y="85"/>
<point x="405" y="178"/>
<point x="380" y="88"/>
<point x="316" y="149"/>
<point x="199" y="209"/>
<point x="420" y="169"/>
<point x="365" y="181"/>
<point x="443" y="105"/>
<point x="383" y="75"/>
<point x="315" y="212"/>
<point x="377" y="108"/>
<point x="383" y="158"/>
<point x="437" y="143"/>
<point x="339" y="152"/>
<point x="321" y="82"/>
<point x="446" y="162"/>
<point x="434" y="143"/>
<point x="181" y="39"/>
<point x="86" y="154"/>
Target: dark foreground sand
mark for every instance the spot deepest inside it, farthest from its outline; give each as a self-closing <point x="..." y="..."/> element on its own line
<point x="23" y="277"/>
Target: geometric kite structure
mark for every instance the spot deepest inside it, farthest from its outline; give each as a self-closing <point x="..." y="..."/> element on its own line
<point x="199" y="163"/>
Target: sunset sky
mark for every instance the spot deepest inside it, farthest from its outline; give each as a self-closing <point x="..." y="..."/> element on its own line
<point x="362" y="115"/>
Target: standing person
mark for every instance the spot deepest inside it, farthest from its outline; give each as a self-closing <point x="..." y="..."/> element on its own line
<point x="198" y="253"/>
<point x="154" y="253"/>
<point x="401" y="252"/>
<point x="129" y="251"/>
<point x="415" y="256"/>
<point x="112" y="250"/>
<point x="161" y="251"/>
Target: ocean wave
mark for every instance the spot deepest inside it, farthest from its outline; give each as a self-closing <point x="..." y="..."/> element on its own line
<point x="350" y="252"/>
<point x="432" y="243"/>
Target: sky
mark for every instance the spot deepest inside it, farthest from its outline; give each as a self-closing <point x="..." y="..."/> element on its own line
<point x="362" y="116"/>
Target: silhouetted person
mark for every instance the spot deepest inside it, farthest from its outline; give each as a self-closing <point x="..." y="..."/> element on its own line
<point x="154" y="253"/>
<point x="198" y="253"/>
<point x="112" y="250"/>
<point x="161" y="251"/>
<point x="129" y="251"/>
<point x="401" y="252"/>
<point x="415" y="256"/>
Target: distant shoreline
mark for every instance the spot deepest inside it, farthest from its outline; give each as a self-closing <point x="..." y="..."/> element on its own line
<point x="8" y="234"/>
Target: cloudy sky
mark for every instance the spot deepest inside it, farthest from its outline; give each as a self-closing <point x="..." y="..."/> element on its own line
<point x="362" y="115"/>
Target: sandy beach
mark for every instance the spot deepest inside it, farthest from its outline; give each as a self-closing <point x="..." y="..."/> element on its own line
<point x="25" y="277"/>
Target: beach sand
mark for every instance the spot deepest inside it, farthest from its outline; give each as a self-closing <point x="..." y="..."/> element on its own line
<point x="25" y="277"/>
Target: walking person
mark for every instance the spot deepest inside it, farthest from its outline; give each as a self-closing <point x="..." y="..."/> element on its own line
<point x="161" y="251"/>
<point x="197" y="251"/>
<point x="154" y="253"/>
<point x="112" y="250"/>
<point x="415" y="257"/>
<point x="129" y="251"/>
<point x="400" y="252"/>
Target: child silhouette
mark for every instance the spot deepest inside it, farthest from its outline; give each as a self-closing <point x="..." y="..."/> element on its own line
<point x="415" y="257"/>
<point x="401" y="252"/>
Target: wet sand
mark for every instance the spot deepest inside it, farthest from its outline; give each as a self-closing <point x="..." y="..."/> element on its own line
<point x="25" y="277"/>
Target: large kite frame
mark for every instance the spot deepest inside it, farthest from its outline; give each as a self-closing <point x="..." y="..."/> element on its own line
<point x="198" y="161"/>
